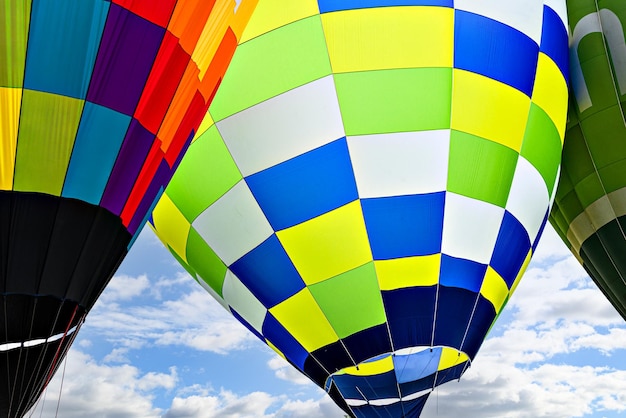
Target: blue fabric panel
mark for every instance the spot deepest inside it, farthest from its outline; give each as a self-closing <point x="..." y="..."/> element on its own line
<point x="511" y="248"/>
<point x="269" y="273"/>
<point x="284" y="341"/>
<point x="334" y="5"/>
<point x="100" y="135"/>
<point x="461" y="273"/>
<point x="410" y="314"/>
<point x="406" y="409"/>
<point x="416" y="366"/>
<point x="495" y="50"/>
<point x="453" y="373"/>
<point x="62" y="45"/>
<point x="554" y="40"/>
<point x="410" y="388"/>
<point x="246" y="324"/>
<point x="368" y="343"/>
<point x="454" y="310"/>
<point x="484" y="315"/>
<point x="378" y="386"/>
<point x="404" y="226"/>
<point x="543" y="226"/>
<point x="306" y="186"/>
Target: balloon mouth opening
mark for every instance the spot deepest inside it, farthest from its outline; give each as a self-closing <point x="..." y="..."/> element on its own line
<point x="412" y="373"/>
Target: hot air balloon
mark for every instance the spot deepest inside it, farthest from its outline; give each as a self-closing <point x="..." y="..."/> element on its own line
<point x="98" y="100"/>
<point x="591" y="197"/>
<point x="371" y="181"/>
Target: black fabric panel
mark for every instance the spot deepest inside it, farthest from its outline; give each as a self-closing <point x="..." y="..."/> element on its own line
<point x="604" y="257"/>
<point x="368" y="343"/>
<point x="335" y="395"/>
<point x="25" y="371"/>
<point x="56" y="257"/>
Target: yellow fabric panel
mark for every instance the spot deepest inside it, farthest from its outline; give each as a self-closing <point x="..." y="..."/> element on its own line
<point x="450" y="358"/>
<point x="328" y="245"/>
<point x="550" y="92"/>
<point x="413" y="37"/>
<point x="489" y="109"/>
<point x="521" y="272"/>
<point x="305" y="321"/>
<point x="272" y="14"/>
<point x="10" y="102"/>
<point x="171" y="226"/>
<point x="494" y="289"/>
<point x="408" y="272"/>
<point x="206" y="123"/>
<point x="242" y="16"/>
<point x="371" y="368"/>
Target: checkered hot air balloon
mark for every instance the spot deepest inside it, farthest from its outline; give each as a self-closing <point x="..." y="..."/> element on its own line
<point x="98" y="101"/>
<point x="371" y="181"/>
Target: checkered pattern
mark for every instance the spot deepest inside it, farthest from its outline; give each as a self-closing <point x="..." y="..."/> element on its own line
<point x="382" y="193"/>
<point x="99" y="98"/>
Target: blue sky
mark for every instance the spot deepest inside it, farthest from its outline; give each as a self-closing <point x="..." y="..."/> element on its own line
<point x="157" y="345"/>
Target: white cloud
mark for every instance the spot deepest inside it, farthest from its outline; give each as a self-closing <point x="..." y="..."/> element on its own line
<point x="95" y="390"/>
<point x="286" y="371"/>
<point x="123" y="288"/>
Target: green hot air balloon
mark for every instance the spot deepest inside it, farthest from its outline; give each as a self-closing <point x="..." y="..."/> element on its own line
<point x="590" y="206"/>
<point x="370" y="183"/>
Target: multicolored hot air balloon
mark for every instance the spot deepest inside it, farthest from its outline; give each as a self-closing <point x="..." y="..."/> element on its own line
<point x="370" y="183"/>
<point x="590" y="207"/>
<point x="98" y="99"/>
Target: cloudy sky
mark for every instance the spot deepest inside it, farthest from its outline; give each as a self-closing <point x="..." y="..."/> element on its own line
<point x="157" y="345"/>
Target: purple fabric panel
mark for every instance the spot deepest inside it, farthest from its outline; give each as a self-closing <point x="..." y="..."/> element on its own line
<point x="129" y="162"/>
<point x="127" y="52"/>
<point x="159" y="181"/>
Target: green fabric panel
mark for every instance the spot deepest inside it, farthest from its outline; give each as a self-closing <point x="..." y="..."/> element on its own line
<point x="48" y="126"/>
<point x="571" y="206"/>
<point x="398" y="100"/>
<point x="589" y="190"/>
<point x="14" y="23"/>
<point x="272" y="64"/>
<point x="575" y="149"/>
<point x="613" y="176"/>
<point x="182" y="262"/>
<point x="207" y="264"/>
<point x="206" y="151"/>
<point x="480" y="169"/>
<point x="605" y="132"/>
<point x="351" y="301"/>
<point x="542" y="145"/>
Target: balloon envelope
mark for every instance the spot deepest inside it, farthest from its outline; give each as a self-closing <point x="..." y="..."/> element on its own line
<point x="371" y="182"/>
<point x="98" y="99"/>
<point x="591" y="200"/>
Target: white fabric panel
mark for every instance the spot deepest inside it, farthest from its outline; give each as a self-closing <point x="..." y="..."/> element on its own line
<point x="243" y="301"/>
<point x="284" y="126"/>
<point x="234" y="224"/>
<point x="524" y="15"/>
<point x="528" y="199"/>
<point x="470" y="228"/>
<point x="560" y="8"/>
<point x="400" y="163"/>
<point x="212" y="292"/>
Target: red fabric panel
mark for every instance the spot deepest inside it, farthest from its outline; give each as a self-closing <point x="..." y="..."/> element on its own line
<point x="156" y="11"/>
<point x="167" y="71"/>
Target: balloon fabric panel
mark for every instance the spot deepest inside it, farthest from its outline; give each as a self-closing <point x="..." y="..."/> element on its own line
<point x="590" y="204"/>
<point x="382" y="195"/>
